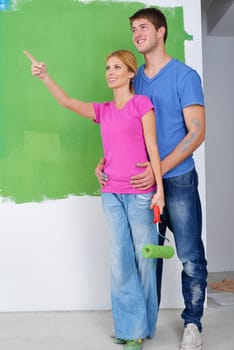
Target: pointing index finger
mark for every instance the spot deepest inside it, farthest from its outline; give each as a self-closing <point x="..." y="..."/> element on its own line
<point x="30" y="57"/>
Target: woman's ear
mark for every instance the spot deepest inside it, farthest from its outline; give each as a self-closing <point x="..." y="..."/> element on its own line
<point x="131" y="75"/>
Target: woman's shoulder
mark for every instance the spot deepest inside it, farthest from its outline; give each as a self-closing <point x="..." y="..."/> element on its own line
<point x="142" y="103"/>
<point x="141" y="98"/>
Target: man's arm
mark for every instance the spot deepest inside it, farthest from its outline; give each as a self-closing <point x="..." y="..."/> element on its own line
<point x="194" y="117"/>
<point x="145" y="179"/>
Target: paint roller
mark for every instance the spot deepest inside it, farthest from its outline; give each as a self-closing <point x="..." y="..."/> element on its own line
<point x="157" y="251"/>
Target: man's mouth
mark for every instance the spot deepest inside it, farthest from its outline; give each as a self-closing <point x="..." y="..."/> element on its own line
<point x="140" y="41"/>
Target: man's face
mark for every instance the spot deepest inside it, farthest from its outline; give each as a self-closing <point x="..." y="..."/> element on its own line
<point x="144" y="35"/>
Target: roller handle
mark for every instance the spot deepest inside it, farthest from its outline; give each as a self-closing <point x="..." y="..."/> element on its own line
<point x="156" y="214"/>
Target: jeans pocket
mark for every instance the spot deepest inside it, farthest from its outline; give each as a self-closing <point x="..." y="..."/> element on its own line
<point x="187" y="180"/>
<point x="143" y="200"/>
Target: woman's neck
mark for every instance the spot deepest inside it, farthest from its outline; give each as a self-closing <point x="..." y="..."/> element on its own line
<point x="121" y="97"/>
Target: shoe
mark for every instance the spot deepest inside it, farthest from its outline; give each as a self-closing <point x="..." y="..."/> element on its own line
<point x="191" y="338"/>
<point x="134" y="344"/>
<point x="119" y="340"/>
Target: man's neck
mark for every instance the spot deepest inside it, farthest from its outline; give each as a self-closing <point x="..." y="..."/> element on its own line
<point x="155" y="61"/>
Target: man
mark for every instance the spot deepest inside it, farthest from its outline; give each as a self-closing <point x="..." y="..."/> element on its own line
<point x="176" y="92"/>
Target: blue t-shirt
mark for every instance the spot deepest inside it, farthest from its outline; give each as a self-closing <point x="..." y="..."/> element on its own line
<point x="175" y="87"/>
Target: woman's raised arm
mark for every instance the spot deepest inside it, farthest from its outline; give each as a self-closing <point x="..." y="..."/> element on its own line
<point x="85" y="109"/>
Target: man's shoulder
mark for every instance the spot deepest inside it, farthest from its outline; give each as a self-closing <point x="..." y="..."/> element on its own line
<point x="181" y="66"/>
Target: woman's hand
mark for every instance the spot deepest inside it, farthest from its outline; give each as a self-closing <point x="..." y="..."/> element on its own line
<point x="144" y="180"/>
<point x="38" y="68"/>
<point x="158" y="200"/>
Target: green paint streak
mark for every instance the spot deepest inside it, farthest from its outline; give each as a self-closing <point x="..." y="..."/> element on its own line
<point x="47" y="152"/>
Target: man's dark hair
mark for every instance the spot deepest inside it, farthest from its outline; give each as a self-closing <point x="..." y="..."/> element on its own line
<point x="154" y="15"/>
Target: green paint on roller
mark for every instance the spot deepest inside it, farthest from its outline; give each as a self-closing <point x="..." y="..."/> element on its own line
<point x="157" y="251"/>
<point x="47" y="152"/>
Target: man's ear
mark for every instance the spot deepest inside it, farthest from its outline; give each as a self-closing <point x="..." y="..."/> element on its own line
<point x="161" y="32"/>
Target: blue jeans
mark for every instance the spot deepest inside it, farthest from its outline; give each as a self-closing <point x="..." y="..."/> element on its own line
<point x="133" y="278"/>
<point x="182" y="215"/>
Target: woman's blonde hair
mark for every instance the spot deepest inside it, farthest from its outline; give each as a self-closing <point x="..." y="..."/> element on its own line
<point x="128" y="58"/>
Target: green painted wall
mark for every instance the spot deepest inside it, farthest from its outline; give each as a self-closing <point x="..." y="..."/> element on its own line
<point x="47" y="152"/>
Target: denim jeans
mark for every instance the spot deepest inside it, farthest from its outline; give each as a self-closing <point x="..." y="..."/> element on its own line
<point x="182" y="215"/>
<point x="133" y="278"/>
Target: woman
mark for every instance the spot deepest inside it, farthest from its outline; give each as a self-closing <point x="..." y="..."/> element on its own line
<point x="128" y="134"/>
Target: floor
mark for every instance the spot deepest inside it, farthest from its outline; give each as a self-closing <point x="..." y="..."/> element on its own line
<point x="84" y="330"/>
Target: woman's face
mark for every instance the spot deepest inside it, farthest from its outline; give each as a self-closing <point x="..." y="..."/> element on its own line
<point x="117" y="74"/>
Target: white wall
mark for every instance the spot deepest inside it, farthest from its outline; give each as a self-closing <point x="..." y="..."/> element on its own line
<point x="55" y="255"/>
<point x="218" y="75"/>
